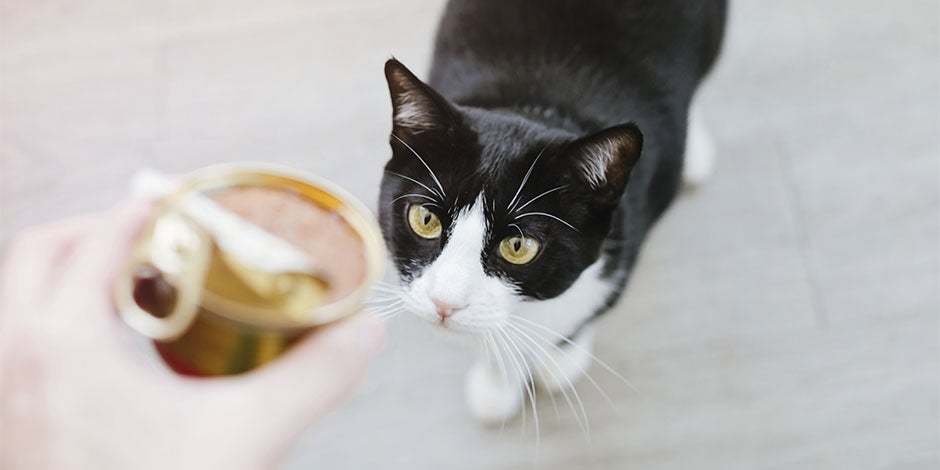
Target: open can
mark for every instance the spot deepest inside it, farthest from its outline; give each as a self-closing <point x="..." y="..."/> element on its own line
<point x="205" y="316"/>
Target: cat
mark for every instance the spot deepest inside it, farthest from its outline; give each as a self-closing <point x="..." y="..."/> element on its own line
<point x="526" y="173"/>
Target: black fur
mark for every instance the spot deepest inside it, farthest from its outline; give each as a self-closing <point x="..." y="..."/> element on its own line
<point x="517" y="80"/>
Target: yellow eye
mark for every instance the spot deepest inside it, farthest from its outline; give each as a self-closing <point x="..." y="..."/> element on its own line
<point x="424" y="222"/>
<point x="518" y="250"/>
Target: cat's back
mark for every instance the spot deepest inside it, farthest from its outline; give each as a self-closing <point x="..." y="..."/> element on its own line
<point x="484" y="44"/>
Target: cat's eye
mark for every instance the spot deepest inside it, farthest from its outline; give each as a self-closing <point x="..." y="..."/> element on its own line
<point x="424" y="222"/>
<point x="518" y="250"/>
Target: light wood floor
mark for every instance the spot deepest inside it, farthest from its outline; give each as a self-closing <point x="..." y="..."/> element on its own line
<point x="784" y="316"/>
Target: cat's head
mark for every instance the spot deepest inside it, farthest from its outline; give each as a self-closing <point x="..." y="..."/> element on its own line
<point x="483" y="209"/>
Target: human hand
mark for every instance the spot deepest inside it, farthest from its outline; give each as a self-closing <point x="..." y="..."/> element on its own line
<point x="76" y="393"/>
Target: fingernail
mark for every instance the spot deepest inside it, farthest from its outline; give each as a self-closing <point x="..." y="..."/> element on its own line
<point x="371" y="335"/>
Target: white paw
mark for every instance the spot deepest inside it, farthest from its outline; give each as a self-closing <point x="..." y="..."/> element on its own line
<point x="566" y="365"/>
<point x="699" y="152"/>
<point x="490" y="398"/>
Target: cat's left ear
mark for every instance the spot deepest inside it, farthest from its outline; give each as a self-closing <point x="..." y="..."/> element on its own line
<point x="603" y="161"/>
<point x="416" y="107"/>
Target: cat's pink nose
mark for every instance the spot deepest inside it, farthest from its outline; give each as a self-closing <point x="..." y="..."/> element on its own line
<point x="444" y="309"/>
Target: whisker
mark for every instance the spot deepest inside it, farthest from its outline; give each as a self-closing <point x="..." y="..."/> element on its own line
<point x="551" y="396"/>
<point x="432" y="191"/>
<point x="385" y="316"/>
<point x="386" y="313"/>
<point x="387" y="289"/>
<point x="540" y="195"/>
<point x="512" y="358"/>
<point x="526" y="178"/>
<point x="519" y="229"/>
<point x="380" y="304"/>
<point x="393" y="311"/>
<point x="380" y="291"/>
<point x="529" y="388"/>
<point x="384" y="310"/>
<point x="443" y="193"/>
<point x="383" y="302"/>
<point x="585" y="427"/>
<point x="385" y="285"/>
<point x="412" y="195"/>
<point x="586" y="352"/>
<point x="548" y="215"/>
<point x="502" y="370"/>
<point x="583" y="370"/>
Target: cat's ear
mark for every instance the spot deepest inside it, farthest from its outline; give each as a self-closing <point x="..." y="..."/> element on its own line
<point x="603" y="161"/>
<point x="416" y="107"/>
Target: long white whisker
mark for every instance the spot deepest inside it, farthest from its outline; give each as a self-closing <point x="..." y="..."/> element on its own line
<point x="388" y="300"/>
<point x="519" y="229"/>
<point x="443" y="193"/>
<point x="551" y="396"/>
<point x="386" y="290"/>
<point x="381" y="303"/>
<point x="586" y="352"/>
<point x="540" y="195"/>
<point x="523" y="330"/>
<point x="391" y="311"/>
<point x="585" y="426"/>
<point x="432" y="191"/>
<point x="393" y="308"/>
<point x="389" y="290"/>
<point x="412" y="195"/>
<point x="384" y="314"/>
<point x="375" y="303"/>
<point x="547" y="215"/>
<point x="382" y="297"/>
<point x="512" y="358"/>
<point x="502" y="370"/>
<point x="383" y="310"/>
<point x="386" y="285"/>
<point x="529" y="388"/>
<point x="526" y="178"/>
<point x="389" y="308"/>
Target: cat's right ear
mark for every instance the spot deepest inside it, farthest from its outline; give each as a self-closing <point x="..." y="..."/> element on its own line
<point x="416" y="107"/>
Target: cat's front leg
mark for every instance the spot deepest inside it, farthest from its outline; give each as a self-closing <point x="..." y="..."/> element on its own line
<point x="494" y="390"/>
<point x="562" y="366"/>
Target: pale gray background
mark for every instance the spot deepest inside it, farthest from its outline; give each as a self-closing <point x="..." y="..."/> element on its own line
<point x="785" y="316"/>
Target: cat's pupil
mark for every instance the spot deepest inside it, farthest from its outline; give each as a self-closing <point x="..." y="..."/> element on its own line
<point x="427" y="219"/>
<point x="517" y="246"/>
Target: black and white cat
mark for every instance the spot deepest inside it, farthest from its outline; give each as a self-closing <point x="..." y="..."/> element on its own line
<point x="506" y="204"/>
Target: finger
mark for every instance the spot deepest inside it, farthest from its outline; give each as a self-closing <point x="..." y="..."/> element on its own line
<point x="35" y="258"/>
<point x="317" y="374"/>
<point x="89" y="274"/>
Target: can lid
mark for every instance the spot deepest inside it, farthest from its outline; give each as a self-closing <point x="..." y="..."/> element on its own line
<point x="160" y="294"/>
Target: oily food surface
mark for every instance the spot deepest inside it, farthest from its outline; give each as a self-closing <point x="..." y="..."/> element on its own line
<point x="322" y="233"/>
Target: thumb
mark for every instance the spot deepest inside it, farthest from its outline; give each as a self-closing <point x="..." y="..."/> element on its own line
<point x="317" y="373"/>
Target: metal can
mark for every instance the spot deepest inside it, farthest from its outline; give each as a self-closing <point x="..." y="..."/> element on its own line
<point x="203" y="324"/>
